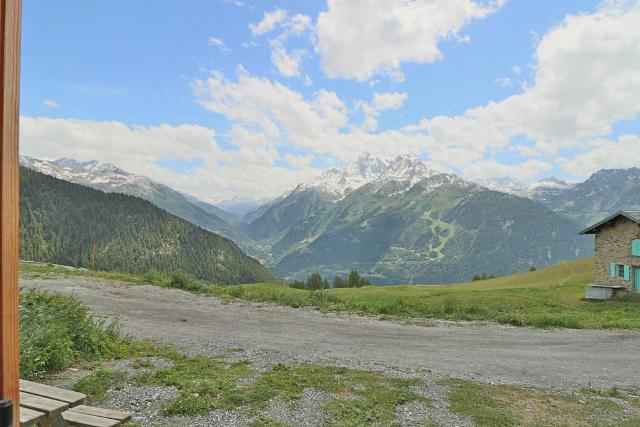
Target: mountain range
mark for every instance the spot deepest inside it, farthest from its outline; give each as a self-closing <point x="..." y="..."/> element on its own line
<point x="70" y="224"/>
<point x="395" y="220"/>
<point x="400" y="221"/>
<point x="107" y="177"/>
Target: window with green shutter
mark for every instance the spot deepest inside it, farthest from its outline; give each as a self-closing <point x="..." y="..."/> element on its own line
<point x="627" y="273"/>
<point x="613" y="269"/>
<point x="635" y="247"/>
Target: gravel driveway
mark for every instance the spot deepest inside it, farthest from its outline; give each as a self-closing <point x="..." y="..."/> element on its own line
<point x="552" y="359"/>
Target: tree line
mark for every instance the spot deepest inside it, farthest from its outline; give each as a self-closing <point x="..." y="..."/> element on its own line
<point x="70" y="224"/>
<point x="315" y="281"/>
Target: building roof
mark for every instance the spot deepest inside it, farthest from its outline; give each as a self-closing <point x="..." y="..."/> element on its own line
<point x="630" y="215"/>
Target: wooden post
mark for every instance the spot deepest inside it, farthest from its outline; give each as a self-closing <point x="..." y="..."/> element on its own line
<point x="10" y="16"/>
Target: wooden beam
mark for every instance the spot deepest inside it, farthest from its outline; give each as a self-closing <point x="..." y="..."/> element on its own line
<point x="10" y="17"/>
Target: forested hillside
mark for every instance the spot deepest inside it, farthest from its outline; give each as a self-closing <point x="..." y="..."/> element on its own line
<point x="74" y="225"/>
<point x="441" y="230"/>
<point x="605" y="192"/>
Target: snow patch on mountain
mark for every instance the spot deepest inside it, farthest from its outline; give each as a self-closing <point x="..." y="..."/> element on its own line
<point x="338" y="182"/>
<point x="503" y="184"/>
<point x="96" y="174"/>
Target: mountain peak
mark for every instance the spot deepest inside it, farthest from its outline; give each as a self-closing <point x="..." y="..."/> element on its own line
<point x="366" y="169"/>
<point x="66" y="161"/>
<point x="605" y="174"/>
<point x="504" y="184"/>
<point x="93" y="166"/>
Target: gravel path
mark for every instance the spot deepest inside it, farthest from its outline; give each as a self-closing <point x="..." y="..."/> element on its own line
<point x="550" y="359"/>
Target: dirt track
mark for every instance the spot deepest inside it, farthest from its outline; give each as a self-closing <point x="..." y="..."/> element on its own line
<point x="562" y="359"/>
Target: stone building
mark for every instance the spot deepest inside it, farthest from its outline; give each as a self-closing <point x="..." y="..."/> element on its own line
<point x="617" y="252"/>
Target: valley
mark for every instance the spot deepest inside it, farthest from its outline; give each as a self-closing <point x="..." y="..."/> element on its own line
<point x="74" y="225"/>
<point x="395" y="220"/>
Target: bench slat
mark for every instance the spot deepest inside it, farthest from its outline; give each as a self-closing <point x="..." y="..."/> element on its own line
<point x="42" y="404"/>
<point x="29" y="417"/>
<point x="83" y="420"/>
<point x="104" y="413"/>
<point x="71" y="397"/>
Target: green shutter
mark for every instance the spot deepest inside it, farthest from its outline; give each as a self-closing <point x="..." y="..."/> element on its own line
<point x="635" y="247"/>
<point x="627" y="273"/>
<point x="613" y="269"/>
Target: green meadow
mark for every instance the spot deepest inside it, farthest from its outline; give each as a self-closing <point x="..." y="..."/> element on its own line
<point x="546" y="298"/>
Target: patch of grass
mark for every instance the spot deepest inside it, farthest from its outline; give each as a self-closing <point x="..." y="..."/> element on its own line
<point x="266" y="422"/>
<point x="202" y="382"/>
<point x="57" y="331"/>
<point x="96" y="385"/>
<point x="39" y="270"/>
<point x="505" y="405"/>
<point x="141" y="363"/>
<point x="188" y="282"/>
<point x="612" y="392"/>
<point x="177" y="279"/>
<point x="546" y="298"/>
<point x="209" y="383"/>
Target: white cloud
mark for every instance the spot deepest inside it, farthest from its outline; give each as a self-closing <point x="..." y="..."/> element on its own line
<point x="504" y="81"/>
<point x="586" y="79"/>
<point x="267" y="115"/>
<point x="522" y="172"/>
<point x="381" y="102"/>
<point x="49" y="103"/>
<point x="388" y="100"/>
<point x="220" y="44"/>
<point x="238" y="3"/>
<point x="269" y="21"/>
<point x="604" y="154"/>
<point x="299" y="161"/>
<point x="360" y="38"/>
<point x="287" y="63"/>
<point x="267" y="112"/>
<point x="246" y="173"/>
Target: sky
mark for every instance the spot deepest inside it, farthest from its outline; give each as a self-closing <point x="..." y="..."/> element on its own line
<point x="244" y="99"/>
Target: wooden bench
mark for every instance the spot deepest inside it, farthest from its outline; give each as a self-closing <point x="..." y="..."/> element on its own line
<point x="48" y="406"/>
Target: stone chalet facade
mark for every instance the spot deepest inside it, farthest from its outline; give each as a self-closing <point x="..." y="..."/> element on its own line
<point x="617" y="251"/>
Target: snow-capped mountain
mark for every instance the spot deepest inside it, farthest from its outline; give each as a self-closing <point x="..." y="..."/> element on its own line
<point x="398" y="219"/>
<point x="546" y="188"/>
<point x="110" y="178"/>
<point x="339" y="182"/>
<point x="100" y="175"/>
<point x="606" y="191"/>
<point x="503" y="184"/>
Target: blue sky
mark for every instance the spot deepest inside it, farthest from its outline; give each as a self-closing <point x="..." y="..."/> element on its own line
<point x="187" y="93"/>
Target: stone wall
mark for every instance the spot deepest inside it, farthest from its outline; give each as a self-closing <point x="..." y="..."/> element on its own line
<point x="613" y="244"/>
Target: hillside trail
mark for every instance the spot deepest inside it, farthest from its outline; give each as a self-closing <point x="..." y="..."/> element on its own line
<point x="561" y="359"/>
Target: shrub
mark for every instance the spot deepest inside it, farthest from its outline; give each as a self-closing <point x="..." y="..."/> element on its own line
<point x="188" y="282"/>
<point x="154" y="277"/>
<point x="482" y="276"/>
<point x="57" y="331"/>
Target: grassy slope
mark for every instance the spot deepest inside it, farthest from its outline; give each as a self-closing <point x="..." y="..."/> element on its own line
<point x="551" y="297"/>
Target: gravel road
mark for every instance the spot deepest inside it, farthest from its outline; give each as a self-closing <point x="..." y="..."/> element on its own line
<point x="552" y="359"/>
